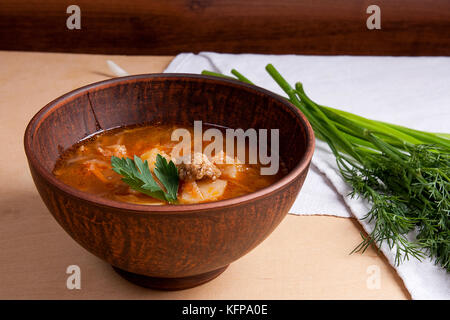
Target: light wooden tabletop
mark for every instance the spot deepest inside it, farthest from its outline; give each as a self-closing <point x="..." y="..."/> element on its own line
<point x="306" y="257"/>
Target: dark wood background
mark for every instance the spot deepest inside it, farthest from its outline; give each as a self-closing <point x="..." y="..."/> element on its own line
<point x="414" y="27"/>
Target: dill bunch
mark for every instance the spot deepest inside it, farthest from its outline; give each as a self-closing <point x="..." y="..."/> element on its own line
<point x="403" y="173"/>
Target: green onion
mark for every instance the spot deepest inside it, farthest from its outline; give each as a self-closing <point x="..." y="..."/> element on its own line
<point x="403" y="173"/>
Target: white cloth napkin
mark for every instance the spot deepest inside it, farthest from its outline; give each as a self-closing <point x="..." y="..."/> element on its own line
<point x="409" y="91"/>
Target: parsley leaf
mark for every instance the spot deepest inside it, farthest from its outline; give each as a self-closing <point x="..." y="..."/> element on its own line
<point x="137" y="175"/>
<point x="167" y="174"/>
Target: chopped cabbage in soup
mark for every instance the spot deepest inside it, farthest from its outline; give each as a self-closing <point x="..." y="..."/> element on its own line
<point x="87" y="167"/>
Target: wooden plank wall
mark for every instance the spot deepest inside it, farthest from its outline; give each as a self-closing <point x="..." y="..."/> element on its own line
<point x="413" y="27"/>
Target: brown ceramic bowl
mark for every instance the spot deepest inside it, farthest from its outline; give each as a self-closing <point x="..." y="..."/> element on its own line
<point x="173" y="246"/>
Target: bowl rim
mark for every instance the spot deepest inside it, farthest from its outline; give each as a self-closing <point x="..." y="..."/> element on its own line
<point x="34" y="123"/>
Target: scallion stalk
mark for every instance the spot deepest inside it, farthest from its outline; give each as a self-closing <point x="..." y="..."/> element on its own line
<point x="402" y="172"/>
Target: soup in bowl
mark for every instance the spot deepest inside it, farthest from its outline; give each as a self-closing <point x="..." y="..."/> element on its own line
<point x="124" y="168"/>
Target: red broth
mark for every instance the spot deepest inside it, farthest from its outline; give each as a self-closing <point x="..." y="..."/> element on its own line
<point x="87" y="167"/>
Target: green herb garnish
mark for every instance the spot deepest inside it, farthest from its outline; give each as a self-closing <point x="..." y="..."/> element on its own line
<point x="137" y="175"/>
<point x="402" y="172"/>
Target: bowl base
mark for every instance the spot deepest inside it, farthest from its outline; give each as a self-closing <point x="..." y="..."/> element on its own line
<point x="169" y="284"/>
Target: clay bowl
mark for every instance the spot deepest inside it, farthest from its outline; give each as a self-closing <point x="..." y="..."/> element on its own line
<point x="175" y="246"/>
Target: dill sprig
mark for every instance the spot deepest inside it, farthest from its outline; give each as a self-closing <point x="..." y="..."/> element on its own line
<point x="403" y="173"/>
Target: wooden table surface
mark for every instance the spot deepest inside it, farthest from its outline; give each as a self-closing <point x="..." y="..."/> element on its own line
<point x="306" y="257"/>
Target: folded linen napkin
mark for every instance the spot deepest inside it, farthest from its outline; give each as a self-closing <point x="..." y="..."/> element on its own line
<point x="410" y="91"/>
